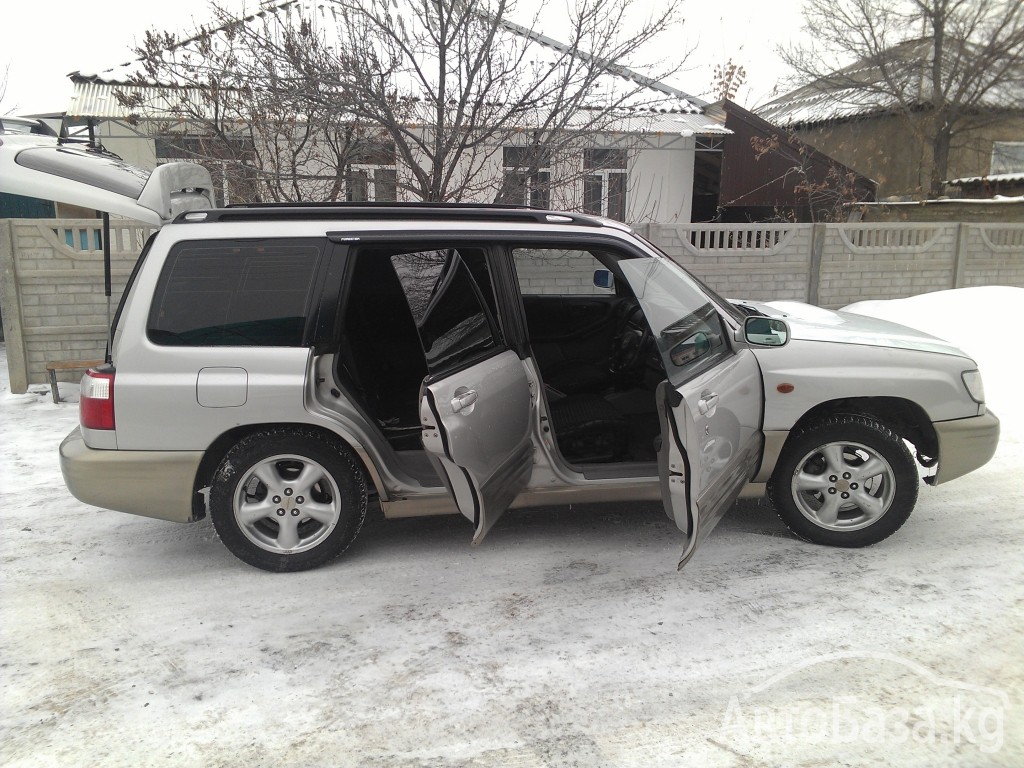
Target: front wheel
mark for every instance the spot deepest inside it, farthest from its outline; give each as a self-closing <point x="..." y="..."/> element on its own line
<point x="847" y="481"/>
<point x="287" y="499"/>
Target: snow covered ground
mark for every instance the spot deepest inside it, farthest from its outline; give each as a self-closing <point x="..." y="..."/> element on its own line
<point x="567" y="638"/>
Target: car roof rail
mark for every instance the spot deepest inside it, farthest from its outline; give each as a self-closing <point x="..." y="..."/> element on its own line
<point x="390" y="211"/>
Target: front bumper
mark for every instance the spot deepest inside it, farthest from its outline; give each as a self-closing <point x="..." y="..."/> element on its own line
<point x="149" y="483"/>
<point x="965" y="445"/>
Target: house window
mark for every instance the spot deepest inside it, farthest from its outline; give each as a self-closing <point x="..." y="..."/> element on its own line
<point x="370" y="176"/>
<point x="604" y="183"/>
<point x="526" y="177"/>
<point x="1007" y="157"/>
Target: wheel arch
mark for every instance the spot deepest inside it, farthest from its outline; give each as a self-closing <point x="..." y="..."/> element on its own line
<point x="905" y="417"/>
<point x="218" y="449"/>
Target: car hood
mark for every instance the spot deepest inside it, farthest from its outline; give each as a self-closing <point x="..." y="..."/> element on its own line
<point x="812" y="323"/>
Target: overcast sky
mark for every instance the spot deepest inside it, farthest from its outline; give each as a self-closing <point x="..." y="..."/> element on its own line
<point x="41" y="41"/>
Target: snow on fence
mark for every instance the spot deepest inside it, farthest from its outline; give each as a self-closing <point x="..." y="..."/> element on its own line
<point x="54" y="308"/>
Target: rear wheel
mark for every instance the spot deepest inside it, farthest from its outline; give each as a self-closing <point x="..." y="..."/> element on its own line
<point x="288" y="499"/>
<point x="848" y="481"/>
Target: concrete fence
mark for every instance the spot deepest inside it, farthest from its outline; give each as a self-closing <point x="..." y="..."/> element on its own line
<point x="51" y="287"/>
<point x="832" y="265"/>
<point x="54" y="308"/>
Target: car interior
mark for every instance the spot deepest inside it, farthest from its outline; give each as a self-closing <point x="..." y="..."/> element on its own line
<point x="595" y="355"/>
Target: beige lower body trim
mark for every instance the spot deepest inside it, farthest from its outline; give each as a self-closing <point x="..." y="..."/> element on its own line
<point x="149" y="483"/>
<point x="773" y="442"/>
<point x="441" y="503"/>
<point x="965" y="445"/>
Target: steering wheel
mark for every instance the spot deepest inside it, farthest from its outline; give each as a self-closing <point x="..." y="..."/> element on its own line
<point x="630" y="340"/>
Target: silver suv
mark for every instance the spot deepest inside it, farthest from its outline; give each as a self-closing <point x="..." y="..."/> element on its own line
<point x="276" y="367"/>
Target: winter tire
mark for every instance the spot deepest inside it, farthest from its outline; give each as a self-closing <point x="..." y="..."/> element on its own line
<point x="288" y="499"/>
<point x="847" y="481"/>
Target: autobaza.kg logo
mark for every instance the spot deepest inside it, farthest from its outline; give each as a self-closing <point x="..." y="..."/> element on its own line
<point x="866" y="698"/>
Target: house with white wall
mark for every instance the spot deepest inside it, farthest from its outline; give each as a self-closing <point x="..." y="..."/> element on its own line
<point x="638" y="168"/>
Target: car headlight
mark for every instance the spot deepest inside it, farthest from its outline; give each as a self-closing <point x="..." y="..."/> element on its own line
<point x="972" y="380"/>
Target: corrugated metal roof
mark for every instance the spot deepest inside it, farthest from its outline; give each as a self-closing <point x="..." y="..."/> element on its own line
<point x="98" y="99"/>
<point x="995" y="177"/>
<point x="849" y="92"/>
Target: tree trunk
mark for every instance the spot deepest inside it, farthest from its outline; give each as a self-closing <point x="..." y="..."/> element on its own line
<point x="940" y="156"/>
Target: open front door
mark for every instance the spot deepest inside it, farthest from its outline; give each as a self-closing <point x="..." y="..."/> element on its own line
<point x="476" y="405"/>
<point x="711" y="444"/>
<point x="710" y="407"/>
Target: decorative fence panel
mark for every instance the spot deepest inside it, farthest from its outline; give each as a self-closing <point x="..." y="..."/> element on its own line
<point x="832" y="265"/>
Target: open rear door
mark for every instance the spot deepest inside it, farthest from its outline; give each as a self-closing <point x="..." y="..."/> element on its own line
<point x="476" y="426"/>
<point x="476" y="403"/>
<point x="42" y="167"/>
<point x="710" y="406"/>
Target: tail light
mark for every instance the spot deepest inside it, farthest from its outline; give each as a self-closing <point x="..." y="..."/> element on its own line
<point x="96" y="405"/>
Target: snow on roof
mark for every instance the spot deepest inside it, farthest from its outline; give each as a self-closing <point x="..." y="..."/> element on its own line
<point x="632" y="93"/>
<point x="994" y="200"/>
<point x="854" y="91"/>
<point x="993" y="177"/>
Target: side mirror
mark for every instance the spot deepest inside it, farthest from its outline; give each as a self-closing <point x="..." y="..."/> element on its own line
<point x="765" y="331"/>
<point x="690" y="349"/>
<point x="603" y="278"/>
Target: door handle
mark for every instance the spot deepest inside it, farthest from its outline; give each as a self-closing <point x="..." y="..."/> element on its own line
<point x="707" y="403"/>
<point x="464" y="400"/>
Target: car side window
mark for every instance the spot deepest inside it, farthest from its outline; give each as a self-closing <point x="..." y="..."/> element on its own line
<point x="690" y="335"/>
<point x="235" y="293"/>
<point x="557" y="271"/>
<point x="450" y="294"/>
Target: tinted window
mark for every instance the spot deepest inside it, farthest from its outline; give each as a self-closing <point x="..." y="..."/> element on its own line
<point x="449" y="293"/>
<point x="235" y="294"/>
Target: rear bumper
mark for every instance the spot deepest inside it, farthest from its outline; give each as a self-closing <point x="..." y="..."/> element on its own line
<point x="148" y="483"/>
<point x="965" y="445"/>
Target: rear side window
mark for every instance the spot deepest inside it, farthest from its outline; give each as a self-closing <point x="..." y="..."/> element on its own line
<point x="450" y="294"/>
<point x="235" y="294"/>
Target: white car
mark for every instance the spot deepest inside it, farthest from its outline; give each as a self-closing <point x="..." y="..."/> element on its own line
<point x="275" y="367"/>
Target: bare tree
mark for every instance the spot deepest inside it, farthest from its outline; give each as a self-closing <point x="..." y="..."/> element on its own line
<point x="942" y="65"/>
<point x="440" y="84"/>
<point x="231" y="103"/>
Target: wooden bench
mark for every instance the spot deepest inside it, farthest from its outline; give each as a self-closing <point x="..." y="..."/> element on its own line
<point x="66" y="365"/>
